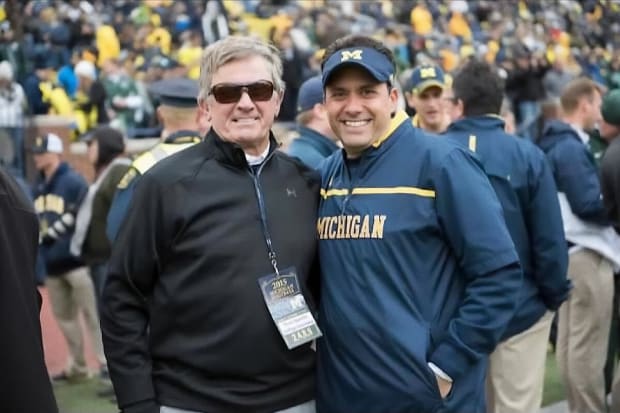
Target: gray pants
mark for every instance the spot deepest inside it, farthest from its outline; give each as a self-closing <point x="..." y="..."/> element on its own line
<point x="307" y="407"/>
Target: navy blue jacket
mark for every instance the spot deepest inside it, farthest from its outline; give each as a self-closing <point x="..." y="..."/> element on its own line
<point x="574" y="170"/>
<point x="62" y="193"/>
<point x="524" y="185"/>
<point x="311" y="147"/>
<point x="417" y="266"/>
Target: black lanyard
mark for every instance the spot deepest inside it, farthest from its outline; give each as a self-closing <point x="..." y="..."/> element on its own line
<point x="263" y="215"/>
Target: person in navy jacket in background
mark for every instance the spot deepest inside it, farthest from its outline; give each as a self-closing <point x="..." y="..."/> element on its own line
<point x="584" y="320"/>
<point x="523" y="182"/>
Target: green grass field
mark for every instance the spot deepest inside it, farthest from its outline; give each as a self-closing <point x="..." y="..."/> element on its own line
<point x="554" y="390"/>
<point x="82" y="397"/>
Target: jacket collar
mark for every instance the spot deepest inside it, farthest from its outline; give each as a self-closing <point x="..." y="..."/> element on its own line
<point x="228" y="152"/>
<point x="387" y="139"/>
<point x="319" y="141"/>
<point x="477" y="122"/>
<point x="396" y="121"/>
<point x="61" y="170"/>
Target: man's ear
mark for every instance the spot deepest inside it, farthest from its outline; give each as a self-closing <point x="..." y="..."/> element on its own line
<point x="319" y="111"/>
<point x="460" y="107"/>
<point x="393" y="100"/>
<point x="279" y="98"/>
<point x="204" y="107"/>
<point x="410" y="99"/>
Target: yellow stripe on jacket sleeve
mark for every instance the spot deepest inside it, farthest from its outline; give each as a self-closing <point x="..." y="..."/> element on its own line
<point x="405" y="190"/>
<point x="334" y="192"/>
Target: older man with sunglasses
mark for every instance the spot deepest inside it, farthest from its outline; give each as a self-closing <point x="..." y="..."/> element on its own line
<point x="208" y="306"/>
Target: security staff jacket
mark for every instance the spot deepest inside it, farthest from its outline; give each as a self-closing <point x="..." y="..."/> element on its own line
<point x="185" y="324"/>
<point x="124" y="193"/>
<point x="524" y="185"/>
<point x="417" y="266"/>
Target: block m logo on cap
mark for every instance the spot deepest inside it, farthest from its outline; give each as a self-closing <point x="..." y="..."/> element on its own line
<point x="351" y="54"/>
<point x="427" y="72"/>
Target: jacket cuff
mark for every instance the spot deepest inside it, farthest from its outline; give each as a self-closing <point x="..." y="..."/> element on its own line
<point x="145" y="406"/>
<point x="554" y="301"/>
<point x="451" y="360"/>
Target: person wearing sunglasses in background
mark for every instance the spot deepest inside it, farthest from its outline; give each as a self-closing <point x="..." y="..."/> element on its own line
<point x="208" y="305"/>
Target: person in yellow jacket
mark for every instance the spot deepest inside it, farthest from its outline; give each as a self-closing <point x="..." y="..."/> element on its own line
<point x="159" y="37"/>
<point x="108" y="44"/>
<point x="421" y="19"/>
<point x="90" y="98"/>
<point x="190" y="53"/>
<point x="53" y="94"/>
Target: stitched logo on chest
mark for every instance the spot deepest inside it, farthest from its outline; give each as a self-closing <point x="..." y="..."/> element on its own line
<point x="351" y="226"/>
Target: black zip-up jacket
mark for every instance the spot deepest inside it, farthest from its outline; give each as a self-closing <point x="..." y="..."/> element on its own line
<point x="610" y="182"/>
<point x="184" y="322"/>
<point x="25" y="382"/>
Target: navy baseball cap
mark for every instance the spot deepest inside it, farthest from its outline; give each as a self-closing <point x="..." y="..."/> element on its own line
<point x="375" y="62"/>
<point x="177" y="92"/>
<point x="310" y="93"/>
<point x="426" y="76"/>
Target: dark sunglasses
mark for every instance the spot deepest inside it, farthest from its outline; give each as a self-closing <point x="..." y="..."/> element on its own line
<point x="260" y="91"/>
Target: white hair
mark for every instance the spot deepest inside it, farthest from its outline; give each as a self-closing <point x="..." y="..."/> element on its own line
<point x="6" y="70"/>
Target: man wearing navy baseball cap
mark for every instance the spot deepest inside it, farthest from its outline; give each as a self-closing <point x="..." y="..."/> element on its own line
<point x="426" y="93"/>
<point x="316" y="140"/>
<point x="418" y="277"/>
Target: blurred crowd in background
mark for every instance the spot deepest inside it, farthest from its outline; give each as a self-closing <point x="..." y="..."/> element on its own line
<point x="92" y="60"/>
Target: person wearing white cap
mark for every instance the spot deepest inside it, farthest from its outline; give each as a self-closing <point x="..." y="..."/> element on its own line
<point x="58" y="192"/>
<point x="12" y="105"/>
<point x="90" y="98"/>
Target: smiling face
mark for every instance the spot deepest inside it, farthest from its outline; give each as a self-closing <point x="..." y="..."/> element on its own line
<point x="245" y="122"/>
<point x="359" y="108"/>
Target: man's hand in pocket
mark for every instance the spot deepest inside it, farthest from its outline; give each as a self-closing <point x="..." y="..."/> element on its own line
<point x="444" y="387"/>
